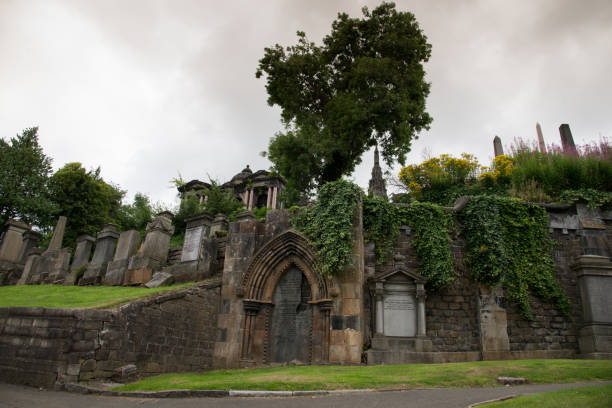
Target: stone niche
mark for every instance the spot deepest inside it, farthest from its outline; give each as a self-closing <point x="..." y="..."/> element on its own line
<point x="400" y="313"/>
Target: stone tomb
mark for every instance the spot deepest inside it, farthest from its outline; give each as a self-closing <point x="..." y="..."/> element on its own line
<point x="400" y="315"/>
<point x="198" y="227"/>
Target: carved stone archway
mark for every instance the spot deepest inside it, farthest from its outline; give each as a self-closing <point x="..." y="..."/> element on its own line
<point x="289" y="250"/>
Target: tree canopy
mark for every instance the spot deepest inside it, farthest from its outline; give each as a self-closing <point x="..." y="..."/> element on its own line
<point x="24" y="171"/>
<point x="85" y="199"/>
<point x="364" y="86"/>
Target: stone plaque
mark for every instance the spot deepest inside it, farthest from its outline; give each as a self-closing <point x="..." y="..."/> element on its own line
<point x="291" y="323"/>
<point x="399" y="310"/>
<point x="191" y="246"/>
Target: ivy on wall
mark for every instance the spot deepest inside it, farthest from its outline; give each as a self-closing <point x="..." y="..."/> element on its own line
<point x="508" y="244"/>
<point x="430" y="223"/>
<point x="328" y="224"/>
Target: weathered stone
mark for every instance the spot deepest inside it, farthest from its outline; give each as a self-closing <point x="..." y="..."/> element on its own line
<point x="58" y="234"/>
<point x="493" y="320"/>
<point x="160" y="279"/>
<point x="30" y="240"/>
<point x="12" y="244"/>
<point x="460" y="203"/>
<point x="84" y="243"/>
<point x="31" y="266"/>
<point x="497" y="146"/>
<point x="125" y="373"/>
<point x="126" y="247"/>
<point x="541" y="143"/>
<point x="105" y="247"/>
<point x="219" y="225"/>
<point x="377" y="182"/>
<point x="567" y="140"/>
<point x="198" y="228"/>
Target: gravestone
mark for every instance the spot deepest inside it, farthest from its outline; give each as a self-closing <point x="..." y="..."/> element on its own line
<point x="12" y="245"/>
<point x="153" y="253"/>
<point x="198" y="227"/>
<point x="540" y="138"/>
<point x="291" y="321"/>
<point x="219" y="225"/>
<point x="105" y="246"/>
<point x="493" y="322"/>
<point x="497" y="146"/>
<point x="30" y="240"/>
<point x="29" y="274"/>
<point x="84" y="243"/>
<point x="54" y="263"/>
<point x="399" y="305"/>
<point x="58" y="235"/>
<point x="127" y="246"/>
<point x="567" y="140"/>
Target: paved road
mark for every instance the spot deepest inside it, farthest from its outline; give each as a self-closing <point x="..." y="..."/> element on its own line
<point x="15" y="396"/>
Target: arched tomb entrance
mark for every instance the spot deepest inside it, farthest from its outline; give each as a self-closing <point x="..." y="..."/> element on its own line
<point x="287" y="310"/>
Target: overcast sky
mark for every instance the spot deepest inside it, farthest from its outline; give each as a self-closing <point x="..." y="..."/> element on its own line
<point x="149" y="89"/>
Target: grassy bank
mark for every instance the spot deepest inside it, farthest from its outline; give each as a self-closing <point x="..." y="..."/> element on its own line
<point x="591" y="397"/>
<point x="470" y="374"/>
<point x="90" y="297"/>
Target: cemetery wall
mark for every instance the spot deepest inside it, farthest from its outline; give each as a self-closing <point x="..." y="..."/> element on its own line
<point x="169" y="332"/>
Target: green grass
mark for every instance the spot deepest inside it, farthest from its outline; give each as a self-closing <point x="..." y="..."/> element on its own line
<point x="470" y="374"/>
<point x="89" y="297"/>
<point x="587" y="397"/>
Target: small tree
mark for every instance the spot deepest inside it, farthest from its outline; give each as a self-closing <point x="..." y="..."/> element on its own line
<point x="24" y="172"/>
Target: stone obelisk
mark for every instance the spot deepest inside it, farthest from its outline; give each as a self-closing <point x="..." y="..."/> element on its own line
<point x="540" y="139"/>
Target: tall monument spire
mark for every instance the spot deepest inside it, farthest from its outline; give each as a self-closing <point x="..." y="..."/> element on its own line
<point x="377" y="183"/>
<point x="540" y="138"/>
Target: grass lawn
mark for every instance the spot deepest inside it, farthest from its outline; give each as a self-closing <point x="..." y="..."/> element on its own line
<point x="90" y="297"/>
<point x="471" y="374"/>
<point x="587" y="397"/>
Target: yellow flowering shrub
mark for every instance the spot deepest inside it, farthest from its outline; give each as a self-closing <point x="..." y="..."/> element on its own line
<point x="499" y="173"/>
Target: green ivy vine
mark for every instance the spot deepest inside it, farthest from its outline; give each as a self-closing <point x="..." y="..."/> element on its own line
<point x="328" y="224"/>
<point x="592" y="198"/>
<point x="508" y="244"/>
<point x="431" y="225"/>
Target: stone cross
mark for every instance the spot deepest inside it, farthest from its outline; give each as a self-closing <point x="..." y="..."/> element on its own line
<point x="497" y="146"/>
<point x="567" y="140"/>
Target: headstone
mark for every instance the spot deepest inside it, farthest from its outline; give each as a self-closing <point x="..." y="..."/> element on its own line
<point x="54" y="265"/>
<point x="497" y="146"/>
<point x="493" y="321"/>
<point x="220" y="223"/>
<point x="30" y="240"/>
<point x="12" y="245"/>
<point x="540" y="138"/>
<point x="84" y="243"/>
<point x="31" y="266"/>
<point x="127" y="246"/>
<point x="567" y="140"/>
<point x="160" y="279"/>
<point x="399" y="303"/>
<point x="198" y="227"/>
<point x="58" y="235"/>
<point x="154" y="252"/>
<point x="105" y="246"/>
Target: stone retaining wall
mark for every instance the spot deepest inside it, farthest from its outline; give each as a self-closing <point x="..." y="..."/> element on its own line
<point x="168" y="332"/>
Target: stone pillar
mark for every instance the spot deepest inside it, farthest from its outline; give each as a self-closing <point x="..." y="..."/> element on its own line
<point x="540" y="139"/>
<point x="84" y="243"/>
<point x="274" y="197"/>
<point x="269" y="198"/>
<point x="58" y="235"/>
<point x="105" y="246"/>
<point x="31" y="266"/>
<point x="198" y="227"/>
<point x="497" y="146"/>
<point x="380" y="312"/>
<point x="594" y="275"/>
<point x="154" y="252"/>
<point x="126" y="247"/>
<point x="220" y="223"/>
<point x="251" y="199"/>
<point x="567" y="140"/>
<point x="493" y="323"/>
<point x="12" y="245"/>
<point x="420" y="296"/>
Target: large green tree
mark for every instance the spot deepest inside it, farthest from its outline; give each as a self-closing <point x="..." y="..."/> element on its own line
<point x="24" y="172"/>
<point x="364" y="86"/>
<point x="85" y="199"/>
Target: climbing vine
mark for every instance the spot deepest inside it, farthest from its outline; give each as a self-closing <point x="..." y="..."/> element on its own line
<point x="430" y="223"/>
<point x="592" y="198"/>
<point x="508" y="244"/>
<point x="328" y="224"/>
